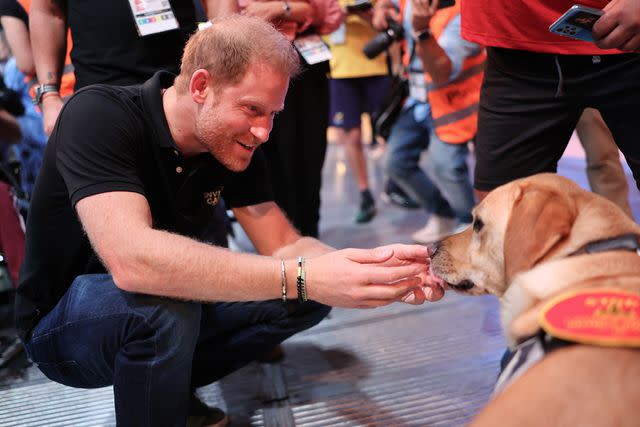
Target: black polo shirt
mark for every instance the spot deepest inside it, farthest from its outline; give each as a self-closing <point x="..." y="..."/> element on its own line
<point x="111" y="138"/>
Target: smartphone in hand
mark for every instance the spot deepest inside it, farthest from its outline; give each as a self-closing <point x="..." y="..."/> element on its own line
<point x="577" y="22"/>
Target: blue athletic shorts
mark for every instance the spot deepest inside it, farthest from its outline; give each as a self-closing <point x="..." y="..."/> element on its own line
<point x="349" y="98"/>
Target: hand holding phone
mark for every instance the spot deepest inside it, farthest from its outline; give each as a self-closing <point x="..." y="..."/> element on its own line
<point x="577" y="22"/>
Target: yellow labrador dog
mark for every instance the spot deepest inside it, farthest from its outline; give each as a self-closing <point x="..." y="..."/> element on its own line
<point x="531" y="240"/>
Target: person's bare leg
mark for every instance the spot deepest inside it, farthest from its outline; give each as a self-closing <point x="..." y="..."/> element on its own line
<point x="604" y="171"/>
<point x="352" y="140"/>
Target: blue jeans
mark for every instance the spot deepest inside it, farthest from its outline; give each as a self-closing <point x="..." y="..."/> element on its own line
<point x="447" y="192"/>
<point x="155" y="350"/>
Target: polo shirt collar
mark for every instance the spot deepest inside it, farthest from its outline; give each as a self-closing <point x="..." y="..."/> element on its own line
<point x="151" y="93"/>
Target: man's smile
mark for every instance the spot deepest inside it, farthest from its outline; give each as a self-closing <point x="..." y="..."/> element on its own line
<point x="248" y="147"/>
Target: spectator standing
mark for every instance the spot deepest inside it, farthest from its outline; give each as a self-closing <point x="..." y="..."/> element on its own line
<point x="110" y="254"/>
<point x="537" y="84"/>
<point x="113" y="42"/>
<point x="358" y="85"/>
<point x="298" y="142"/>
<point x="604" y="171"/>
<point x="440" y="116"/>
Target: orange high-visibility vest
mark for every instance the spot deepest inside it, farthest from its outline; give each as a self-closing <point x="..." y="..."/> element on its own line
<point x="454" y="105"/>
<point x="68" y="79"/>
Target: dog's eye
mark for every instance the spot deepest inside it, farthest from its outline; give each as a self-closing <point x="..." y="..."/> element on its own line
<point x="477" y="225"/>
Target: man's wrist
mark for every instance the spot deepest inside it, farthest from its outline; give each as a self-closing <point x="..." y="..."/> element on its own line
<point x="45" y="90"/>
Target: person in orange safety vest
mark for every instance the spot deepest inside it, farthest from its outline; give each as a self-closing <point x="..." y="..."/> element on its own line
<point x="445" y="74"/>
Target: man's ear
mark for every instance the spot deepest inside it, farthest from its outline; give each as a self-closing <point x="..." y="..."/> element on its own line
<point x="199" y="85"/>
<point x="541" y="219"/>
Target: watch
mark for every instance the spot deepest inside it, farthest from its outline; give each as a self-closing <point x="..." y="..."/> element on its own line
<point x="420" y="36"/>
<point x="286" y="8"/>
<point x="42" y="89"/>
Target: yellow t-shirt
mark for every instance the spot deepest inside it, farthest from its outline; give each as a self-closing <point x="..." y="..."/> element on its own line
<point x="348" y="61"/>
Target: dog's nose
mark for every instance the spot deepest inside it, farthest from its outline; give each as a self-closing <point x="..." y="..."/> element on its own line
<point x="433" y="248"/>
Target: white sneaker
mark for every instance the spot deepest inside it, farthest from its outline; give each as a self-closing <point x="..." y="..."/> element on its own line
<point x="436" y="228"/>
<point x="461" y="227"/>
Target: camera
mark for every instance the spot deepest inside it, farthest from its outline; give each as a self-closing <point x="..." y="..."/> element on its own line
<point x="383" y="40"/>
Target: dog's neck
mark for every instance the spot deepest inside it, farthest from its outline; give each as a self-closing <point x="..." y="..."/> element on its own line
<point x="627" y="242"/>
<point x="521" y="303"/>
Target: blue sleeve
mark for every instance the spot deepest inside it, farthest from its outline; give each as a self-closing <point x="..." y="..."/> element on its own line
<point x="456" y="48"/>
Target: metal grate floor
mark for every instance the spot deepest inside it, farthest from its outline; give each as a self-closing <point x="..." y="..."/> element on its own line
<point x="396" y="366"/>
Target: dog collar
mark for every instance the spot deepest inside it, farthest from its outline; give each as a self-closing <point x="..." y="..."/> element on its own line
<point x="626" y="242"/>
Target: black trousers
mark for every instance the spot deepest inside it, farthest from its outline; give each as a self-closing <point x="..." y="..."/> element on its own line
<point x="530" y="104"/>
<point x="296" y="149"/>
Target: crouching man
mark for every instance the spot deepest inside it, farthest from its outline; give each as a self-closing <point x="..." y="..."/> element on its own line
<point x="117" y="286"/>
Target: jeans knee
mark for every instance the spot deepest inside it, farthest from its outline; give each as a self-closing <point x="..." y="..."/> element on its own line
<point x="174" y="324"/>
<point x="451" y="171"/>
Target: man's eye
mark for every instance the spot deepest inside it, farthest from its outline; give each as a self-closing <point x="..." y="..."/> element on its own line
<point x="477" y="225"/>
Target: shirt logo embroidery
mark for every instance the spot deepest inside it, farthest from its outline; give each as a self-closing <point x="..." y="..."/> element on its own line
<point x="212" y="197"/>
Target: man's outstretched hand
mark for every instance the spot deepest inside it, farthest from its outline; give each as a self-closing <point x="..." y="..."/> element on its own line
<point x="368" y="278"/>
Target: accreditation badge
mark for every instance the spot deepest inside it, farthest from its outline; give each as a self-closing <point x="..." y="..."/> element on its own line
<point x="606" y="317"/>
<point x="312" y="49"/>
<point x="417" y="86"/>
<point x="153" y="16"/>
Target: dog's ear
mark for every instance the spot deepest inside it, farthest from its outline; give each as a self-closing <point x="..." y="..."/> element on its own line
<point x="540" y="220"/>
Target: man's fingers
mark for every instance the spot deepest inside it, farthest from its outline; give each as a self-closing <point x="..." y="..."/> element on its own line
<point x="612" y="39"/>
<point x="409" y="252"/>
<point x="369" y="256"/>
<point x="603" y="26"/>
<point x="392" y="292"/>
<point x="433" y="293"/>
<point x="415" y="297"/>
<point x="631" y="45"/>
<point x="380" y="274"/>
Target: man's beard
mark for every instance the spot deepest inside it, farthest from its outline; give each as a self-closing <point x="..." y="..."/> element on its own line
<point x="217" y="142"/>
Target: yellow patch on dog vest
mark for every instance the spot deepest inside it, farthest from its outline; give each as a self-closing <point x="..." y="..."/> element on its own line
<point x="605" y="317"/>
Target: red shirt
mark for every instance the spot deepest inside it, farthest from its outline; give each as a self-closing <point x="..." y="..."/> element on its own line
<point x="524" y="25"/>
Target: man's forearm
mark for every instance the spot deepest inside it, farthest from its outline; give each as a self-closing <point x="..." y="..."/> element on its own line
<point x="435" y="60"/>
<point x="48" y="29"/>
<point x="166" y="264"/>
<point x="305" y="246"/>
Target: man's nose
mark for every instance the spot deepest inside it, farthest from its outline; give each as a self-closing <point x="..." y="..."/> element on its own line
<point x="261" y="133"/>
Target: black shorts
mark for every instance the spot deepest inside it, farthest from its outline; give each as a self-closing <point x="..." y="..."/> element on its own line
<point x="530" y="104"/>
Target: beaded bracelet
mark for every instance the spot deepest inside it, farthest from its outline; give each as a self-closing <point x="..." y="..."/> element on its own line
<point x="283" y="282"/>
<point x="302" y="291"/>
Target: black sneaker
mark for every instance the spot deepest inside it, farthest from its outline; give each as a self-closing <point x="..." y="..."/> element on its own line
<point x="200" y="414"/>
<point x="367" y="208"/>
